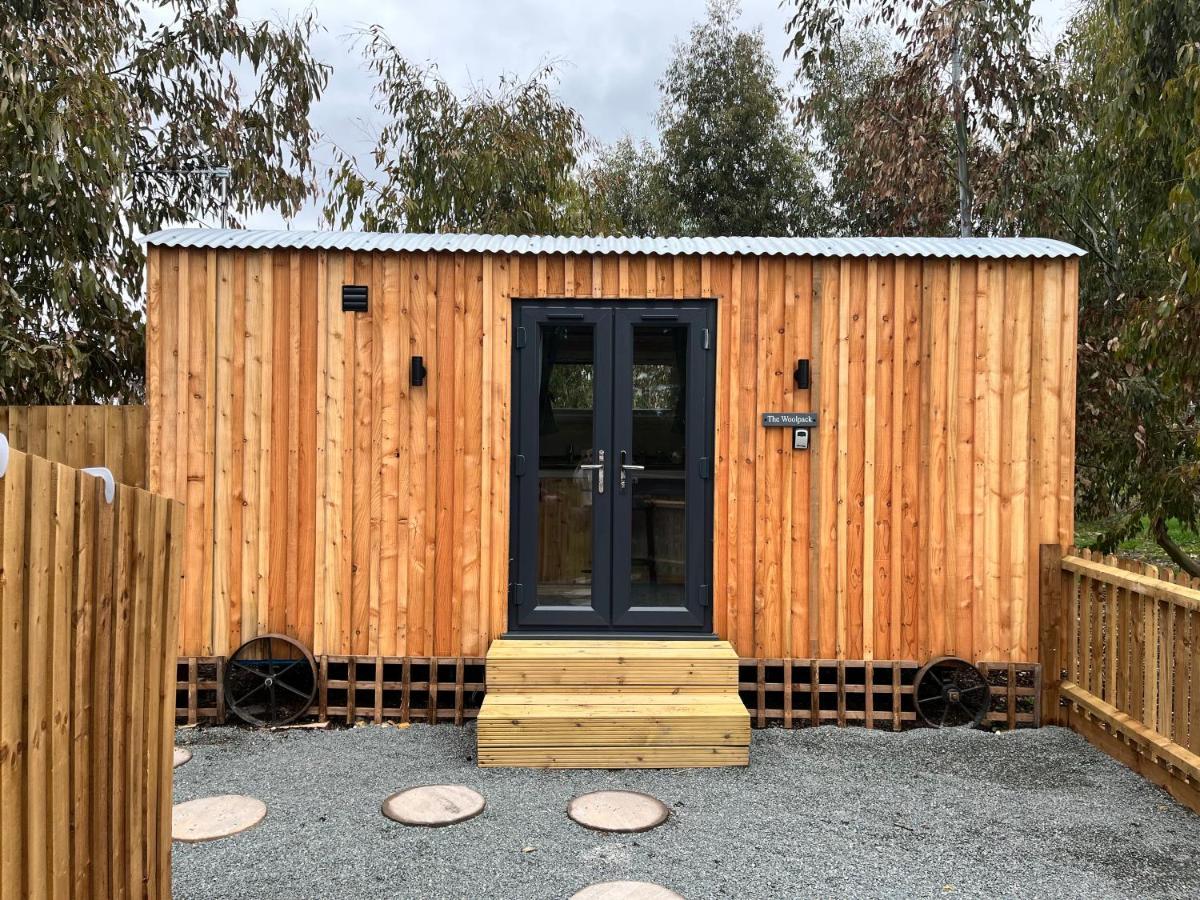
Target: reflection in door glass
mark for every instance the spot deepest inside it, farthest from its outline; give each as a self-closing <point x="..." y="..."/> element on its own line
<point x="659" y="392"/>
<point x="566" y="400"/>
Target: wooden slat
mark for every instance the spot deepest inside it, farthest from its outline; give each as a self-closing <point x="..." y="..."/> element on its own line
<point x="960" y="539"/>
<point x="827" y="533"/>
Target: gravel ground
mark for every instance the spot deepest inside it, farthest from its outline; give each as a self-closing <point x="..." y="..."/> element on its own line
<point x="819" y="812"/>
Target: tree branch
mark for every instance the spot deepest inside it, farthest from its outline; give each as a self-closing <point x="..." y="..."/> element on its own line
<point x="1185" y="562"/>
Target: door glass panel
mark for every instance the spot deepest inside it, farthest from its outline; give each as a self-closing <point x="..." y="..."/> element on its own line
<point x="566" y="431"/>
<point x="659" y="552"/>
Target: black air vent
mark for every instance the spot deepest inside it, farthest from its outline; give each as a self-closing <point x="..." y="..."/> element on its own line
<point x="354" y="298"/>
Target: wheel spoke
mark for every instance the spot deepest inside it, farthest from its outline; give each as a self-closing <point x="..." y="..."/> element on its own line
<point x="254" y="690"/>
<point x="237" y="664"/>
<point x="283" y="671"/>
<point x="290" y="689"/>
<point x="945" y="712"/>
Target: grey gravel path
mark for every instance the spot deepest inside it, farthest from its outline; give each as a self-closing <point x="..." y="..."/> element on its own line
<point x="820" y="812"/>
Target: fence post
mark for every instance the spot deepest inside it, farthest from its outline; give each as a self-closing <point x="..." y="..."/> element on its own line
<point x="1051" y="640"/>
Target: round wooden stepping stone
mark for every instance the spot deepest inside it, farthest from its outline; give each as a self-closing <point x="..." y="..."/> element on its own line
<point x="182" y="755"/>
<point x="624" y="811"/>
<point x="625" y="890"/>
<point x="210" y="818"/>
<point x="434" y="805"/>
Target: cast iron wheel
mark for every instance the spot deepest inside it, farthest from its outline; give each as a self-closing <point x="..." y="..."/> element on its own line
<point x="950" y="692"/>
<point x="270" y="680"/>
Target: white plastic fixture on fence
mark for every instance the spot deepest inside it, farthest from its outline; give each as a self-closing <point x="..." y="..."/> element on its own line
<point x="110" y="483"/>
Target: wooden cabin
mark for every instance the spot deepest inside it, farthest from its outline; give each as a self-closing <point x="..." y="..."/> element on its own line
<point x="404" y="445"/>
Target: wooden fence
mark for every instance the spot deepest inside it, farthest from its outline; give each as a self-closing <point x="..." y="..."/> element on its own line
<point x="82" y="436"/>
<point x="89" y="597"/>
<point x="1121" y="650"/>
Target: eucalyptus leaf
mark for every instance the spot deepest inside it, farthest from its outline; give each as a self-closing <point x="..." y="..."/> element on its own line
<point x="113" y="114"/>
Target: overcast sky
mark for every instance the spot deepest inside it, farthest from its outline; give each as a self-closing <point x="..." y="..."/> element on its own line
<point x="612" y="54"/>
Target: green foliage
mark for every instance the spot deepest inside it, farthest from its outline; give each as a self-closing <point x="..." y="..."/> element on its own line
<point x="104" y="120"/>
<point x="727" y="162"/>
<point x="1098" y="144"/>
<point x="732" y="163"/>
<point x="1141" y="544"/>
<point x="837" y="99"/>
<point x="1124" y="187"/>
<point x="627" y="191"/>
<point x="931" y="109"/>
<point x="498" y="161"/>
<point x="1147" y="61"/>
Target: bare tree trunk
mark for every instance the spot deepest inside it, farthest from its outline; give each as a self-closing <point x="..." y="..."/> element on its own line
<point x="965" y="213"/>
<point x="1185" y="562"/>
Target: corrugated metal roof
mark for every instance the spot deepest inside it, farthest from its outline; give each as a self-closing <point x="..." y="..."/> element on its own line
<point x="962" y="248"/>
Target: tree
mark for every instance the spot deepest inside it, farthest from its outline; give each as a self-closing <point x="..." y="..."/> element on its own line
<point x="953" y="115"/>
<point x="109" y="128"/>
<point x="1147" y="60"/>
<point x="838" y="97"/>
<point x="731" y="161"/>
<point x="627" y="193"/>
<point x="1125" y="188"/>
<point x="499" y="160"/>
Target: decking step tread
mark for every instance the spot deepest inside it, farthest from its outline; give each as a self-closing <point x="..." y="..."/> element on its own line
<point x="534" y="649"/>
<point x="556" y="705"/>
<point x="610" y="722"/>
<point x="615" y="757"/>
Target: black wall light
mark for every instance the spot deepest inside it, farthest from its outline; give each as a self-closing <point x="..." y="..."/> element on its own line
<point x="801" y="375"/>
<point x="354" y="298"/>
<point x="418" y="371"/>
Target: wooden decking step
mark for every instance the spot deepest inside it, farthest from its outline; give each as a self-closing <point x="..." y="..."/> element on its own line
<point x="557" y="666"/>
<point x="612" y="704"/>
<point x="613" y="720"/>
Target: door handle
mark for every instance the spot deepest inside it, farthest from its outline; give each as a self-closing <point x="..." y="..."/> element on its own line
<point x="598" y="468"/>
<point x="627" y="467"/>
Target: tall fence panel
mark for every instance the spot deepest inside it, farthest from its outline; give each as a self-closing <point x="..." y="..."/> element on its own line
<point x="89" y="595"/>
<point x="1121" y="662"/>
<point x="82" y="436"/>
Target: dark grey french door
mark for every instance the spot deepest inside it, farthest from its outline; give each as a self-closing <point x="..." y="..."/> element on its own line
<point x="612" y="449"/>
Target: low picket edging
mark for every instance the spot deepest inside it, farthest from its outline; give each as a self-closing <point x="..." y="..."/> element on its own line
<point x="787" y="693"/>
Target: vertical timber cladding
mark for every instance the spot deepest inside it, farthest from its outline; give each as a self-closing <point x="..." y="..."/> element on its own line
<point x="328" y="499"/>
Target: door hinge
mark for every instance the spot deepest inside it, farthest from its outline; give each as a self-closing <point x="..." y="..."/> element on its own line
<point x="517" y="592"/>
<point x="519" y="465"/>
<point x="706" y="338"/>
<point x="519" y="338"/>
<point x="705" y="467"/>
<point x="706" y="595"/>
